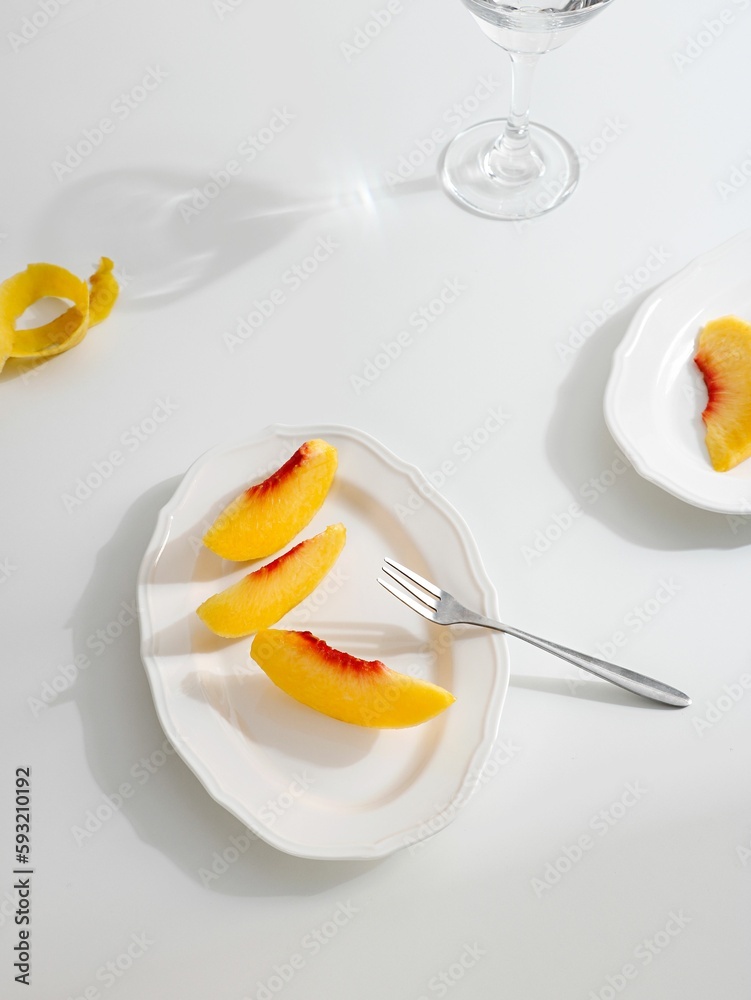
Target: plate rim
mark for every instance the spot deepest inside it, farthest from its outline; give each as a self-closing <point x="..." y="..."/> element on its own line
<point x="470" y="780"/>
<point x="613" y="419"/>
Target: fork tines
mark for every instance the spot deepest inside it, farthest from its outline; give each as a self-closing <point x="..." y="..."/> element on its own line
<point x="421" y="595"/>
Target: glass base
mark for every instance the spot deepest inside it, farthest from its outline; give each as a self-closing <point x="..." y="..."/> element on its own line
<point x="464" y="173"/>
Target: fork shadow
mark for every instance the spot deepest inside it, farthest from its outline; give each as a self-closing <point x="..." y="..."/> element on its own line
<point x="376" y="639"/>
<point x="600" y="691"/>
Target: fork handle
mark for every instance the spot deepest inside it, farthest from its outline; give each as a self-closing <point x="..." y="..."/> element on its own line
<point x="647" y="687"/>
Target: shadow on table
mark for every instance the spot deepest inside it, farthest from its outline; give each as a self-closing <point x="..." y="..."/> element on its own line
<point x="23" y="368"/>
<point x="580" y="447"/>
<point x="149" y="220"/>
<point x="584" y="690"/>
<point x="164" y="802"/>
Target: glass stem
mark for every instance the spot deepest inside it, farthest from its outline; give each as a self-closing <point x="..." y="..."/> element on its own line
<point x="512" y="159"/>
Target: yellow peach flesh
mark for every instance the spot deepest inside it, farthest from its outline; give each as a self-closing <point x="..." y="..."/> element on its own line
<point x="361" y="692"/>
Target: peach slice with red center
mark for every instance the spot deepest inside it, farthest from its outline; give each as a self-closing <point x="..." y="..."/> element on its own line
<point x="724" y="359"/>
<point x="266" y="517"/>
<point x="261" y="598"/>
<point x="362" y="692"/>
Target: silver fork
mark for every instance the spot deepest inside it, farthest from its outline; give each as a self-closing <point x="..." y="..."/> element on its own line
<point x="440" y="607"/>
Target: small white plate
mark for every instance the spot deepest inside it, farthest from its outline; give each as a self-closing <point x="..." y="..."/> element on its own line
<point x="656" y="394"/>
<point x="308" y="784"/>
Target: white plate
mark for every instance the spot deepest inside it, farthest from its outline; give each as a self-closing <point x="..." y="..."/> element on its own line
<point x="308" y="784"/>
<point x="655" y="395"/>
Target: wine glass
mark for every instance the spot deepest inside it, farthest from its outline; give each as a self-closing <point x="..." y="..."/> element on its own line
<point x="510" y="168"/>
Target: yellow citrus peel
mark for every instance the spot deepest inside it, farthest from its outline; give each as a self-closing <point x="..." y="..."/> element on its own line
<point x="91" y="304"/>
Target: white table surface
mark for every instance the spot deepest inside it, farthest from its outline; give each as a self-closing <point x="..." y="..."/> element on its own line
<point x="659" y="902"/>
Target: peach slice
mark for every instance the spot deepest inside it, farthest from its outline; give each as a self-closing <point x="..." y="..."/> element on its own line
<point x="265" y="517"/>
<point x="261" y="598"/>
<point x="362" y="692"/>
<point x="724" y="359"/>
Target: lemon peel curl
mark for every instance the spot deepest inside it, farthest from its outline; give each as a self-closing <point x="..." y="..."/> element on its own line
<point x="90" y="305"/>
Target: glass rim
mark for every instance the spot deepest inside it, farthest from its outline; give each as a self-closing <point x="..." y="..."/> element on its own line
<point x="540" y="17"/>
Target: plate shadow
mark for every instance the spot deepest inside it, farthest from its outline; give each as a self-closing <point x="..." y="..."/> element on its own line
<point x="124" y="742"/>
<point x="580" y="448"/>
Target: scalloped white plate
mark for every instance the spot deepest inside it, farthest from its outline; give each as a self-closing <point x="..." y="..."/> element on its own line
<point x="307" y="784"/>
<point x="655" y="394"/>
